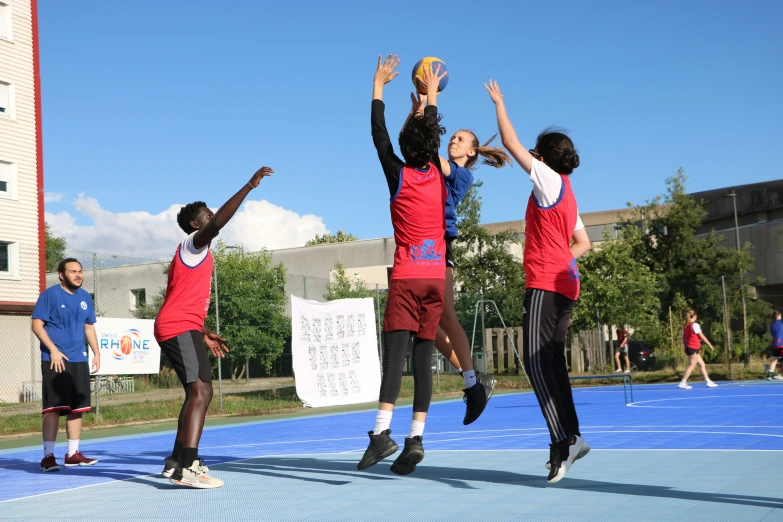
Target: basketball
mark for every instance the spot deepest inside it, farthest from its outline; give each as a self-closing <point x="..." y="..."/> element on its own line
<point x="126" y="345"/>
<point x="418" y="70"/>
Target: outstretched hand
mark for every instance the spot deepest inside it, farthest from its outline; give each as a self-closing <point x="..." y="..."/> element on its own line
<point x="385" y="71"/>
<point x="216" y="344"/>
<point x="432" y="79"/>
<point x="494" y="92"/>
<point x="262" y="173"/>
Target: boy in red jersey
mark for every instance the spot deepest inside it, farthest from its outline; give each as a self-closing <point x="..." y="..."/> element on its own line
<point x="180" y="330"/>
<point x="415" y="302"/>
<point x="554" y="239"/>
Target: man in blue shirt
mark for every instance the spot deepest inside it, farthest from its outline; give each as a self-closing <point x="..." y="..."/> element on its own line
<point x="63" y="319"/>
<point x="776" y="350"/>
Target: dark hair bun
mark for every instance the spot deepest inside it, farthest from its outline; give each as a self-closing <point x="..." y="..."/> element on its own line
<point x="572" y="161"/>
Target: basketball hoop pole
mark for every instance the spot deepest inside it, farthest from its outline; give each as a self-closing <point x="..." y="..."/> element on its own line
<point x="502" y="322"/>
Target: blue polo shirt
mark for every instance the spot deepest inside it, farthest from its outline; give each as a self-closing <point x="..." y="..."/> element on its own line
<point x="457" y="184"/>
<point x="64" y="316"/>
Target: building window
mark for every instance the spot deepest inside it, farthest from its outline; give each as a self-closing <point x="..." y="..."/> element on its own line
<point x="9" y="260"/>
<point x="6" y="99"/>
<point x="8" y="180"/>
<point x="138" y="298"/>
<point x="5" y="21"/>
<point x="5" y="262"/>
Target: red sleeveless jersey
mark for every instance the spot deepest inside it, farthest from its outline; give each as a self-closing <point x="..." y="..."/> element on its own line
<point x="690" y="339"/>
<point x="187" y="297"/>
<point x="548" y="262"/>
<point x="418" y="213"/>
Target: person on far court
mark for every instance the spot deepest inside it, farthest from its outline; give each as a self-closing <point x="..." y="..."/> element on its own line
<point x="464" y="150"/>
<point x="622" y="347"/>
<point x="692" y="338"/>
<point x="555" y="239"/>
<point x="415" y="301"/>
<point x="63" y="320"/>
<point x="776" y="349"/>
<point x="183" y="337"/>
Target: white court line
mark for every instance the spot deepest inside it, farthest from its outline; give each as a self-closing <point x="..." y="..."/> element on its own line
<point x="635" y="404"/>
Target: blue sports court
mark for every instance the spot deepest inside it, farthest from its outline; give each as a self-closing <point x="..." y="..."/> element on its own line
<point x="701" y="454"/>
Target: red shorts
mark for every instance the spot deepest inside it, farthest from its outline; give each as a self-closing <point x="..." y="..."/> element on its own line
<point x="414" y="305"/>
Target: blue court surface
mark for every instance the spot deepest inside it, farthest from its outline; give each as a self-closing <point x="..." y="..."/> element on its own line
<point x="700" y="454"/>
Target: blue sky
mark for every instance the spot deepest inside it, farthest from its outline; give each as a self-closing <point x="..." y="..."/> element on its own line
<point x="150" y="105"/>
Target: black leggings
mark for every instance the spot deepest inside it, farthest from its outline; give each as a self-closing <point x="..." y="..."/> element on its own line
<point x="545" y="325"/>
<point x="395" y="344"/>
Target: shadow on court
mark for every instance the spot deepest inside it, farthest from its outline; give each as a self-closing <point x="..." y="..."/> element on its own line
<point x="335" y="470"/>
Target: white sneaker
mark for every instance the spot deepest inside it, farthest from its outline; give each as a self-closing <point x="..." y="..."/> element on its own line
<point x="711" y="384"/>
<point x="578" y="449"/>
<point x="778" y="377"/>
<point x="196" y="477"/>
<point x="684" y="386"/>
<point x="627" y="370"/>
<point x="618" y="370"/>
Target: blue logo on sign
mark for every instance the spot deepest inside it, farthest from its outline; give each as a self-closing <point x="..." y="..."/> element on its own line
<point x="425" y="252"/>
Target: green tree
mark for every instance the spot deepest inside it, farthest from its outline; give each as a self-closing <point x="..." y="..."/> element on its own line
<point x="252" y="299"/>
<point x="617" y="287"/>
<point x="688" y="268"/>
<point x="339" y="237"/>
<point x="55" y="249"/>
<point x="486" y="267"/>
<point x="341" y="287"/>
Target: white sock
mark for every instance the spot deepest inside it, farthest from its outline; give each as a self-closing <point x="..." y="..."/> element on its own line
<point x="470" y="378"/>
<point x="73" y="447"/>
<point x="684" y="381"/>
<point x="382" y="421"/>
<point x="48" y="447"/>
<point x="417" y="429"/>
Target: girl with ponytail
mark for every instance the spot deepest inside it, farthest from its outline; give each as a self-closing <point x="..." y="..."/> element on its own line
<point x="692" y="338"/>
<point x="464" y="151"/>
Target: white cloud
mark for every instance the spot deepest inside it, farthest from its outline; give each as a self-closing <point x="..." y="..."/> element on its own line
<point x="51" y="197"/>
<point x="256" y="225"/>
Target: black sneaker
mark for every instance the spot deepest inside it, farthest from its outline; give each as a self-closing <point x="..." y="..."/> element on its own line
<point x="475" y="401"/>
<point x="169" y="466"/>
<point x="558" y="459"/>
<point x="410" y="456"/>
<point x="381" y="446"/>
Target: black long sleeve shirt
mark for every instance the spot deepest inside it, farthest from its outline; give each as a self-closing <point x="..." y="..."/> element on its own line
<point x="390" y="162"/>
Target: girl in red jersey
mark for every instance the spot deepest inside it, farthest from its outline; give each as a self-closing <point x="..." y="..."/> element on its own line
<point x="554" y="239"/>
<point x="692" y="337"/>
<point x="415" y="302"/>
<point x="182" y="336"/>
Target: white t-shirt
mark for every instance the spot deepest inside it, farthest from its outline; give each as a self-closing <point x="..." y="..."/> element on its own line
<point x="189" y="254"/>
<point x="547" y="185"/>
<point x="696" y="328"/>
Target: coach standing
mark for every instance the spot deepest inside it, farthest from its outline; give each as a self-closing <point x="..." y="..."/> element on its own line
<point x="62" y="319"/>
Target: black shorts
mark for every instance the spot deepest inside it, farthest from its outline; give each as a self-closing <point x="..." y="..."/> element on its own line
<point x="450" y="252"/>
<point x="776" y="352"/>
<point x="188" y="355"/>
<point x="67" y="391"/>
<point x="692" y="351"/>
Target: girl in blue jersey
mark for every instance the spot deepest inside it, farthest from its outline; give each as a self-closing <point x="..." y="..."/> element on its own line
<point x="464" y="151"/>
<point x="776" y="350"/>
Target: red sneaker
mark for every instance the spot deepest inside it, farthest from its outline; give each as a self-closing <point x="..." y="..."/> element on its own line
<point x="78" y="460"/>
<point x="49" y="463"/>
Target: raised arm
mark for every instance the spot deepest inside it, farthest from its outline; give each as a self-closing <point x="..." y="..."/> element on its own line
<point x="432" y="80"/>
<point x="380" y="136"/>
<point x="204" y="236"/>
<point x="507" y="133"/>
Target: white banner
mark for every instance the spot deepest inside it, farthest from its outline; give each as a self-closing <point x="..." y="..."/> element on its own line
<point x="127" y="346"/>
<point x="335" y="351"/>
